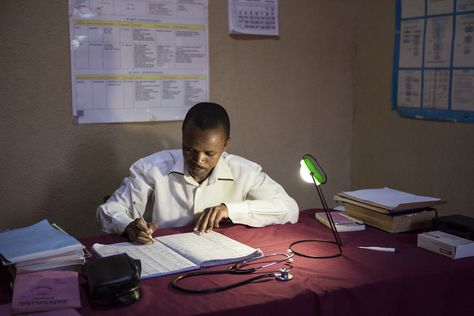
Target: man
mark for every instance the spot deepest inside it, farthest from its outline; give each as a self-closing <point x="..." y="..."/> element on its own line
<point x="201" y="182"/>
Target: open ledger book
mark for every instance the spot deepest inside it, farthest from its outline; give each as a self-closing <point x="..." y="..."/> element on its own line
<point x="181" y="252"/>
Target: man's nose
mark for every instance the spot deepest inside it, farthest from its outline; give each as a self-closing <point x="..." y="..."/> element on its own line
<point x="199" y="157"/>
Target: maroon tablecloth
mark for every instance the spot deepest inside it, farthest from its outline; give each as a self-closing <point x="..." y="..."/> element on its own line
<point x="361" y="282"/>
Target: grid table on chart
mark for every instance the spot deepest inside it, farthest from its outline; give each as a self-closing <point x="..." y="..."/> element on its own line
<point x="261" y="17"/>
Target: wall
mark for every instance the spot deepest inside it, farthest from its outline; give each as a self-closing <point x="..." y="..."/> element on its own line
<point x="286" y="96"/>
<point x="424" y="157"/>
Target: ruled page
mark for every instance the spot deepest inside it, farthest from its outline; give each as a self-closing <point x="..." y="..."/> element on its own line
<point x="156" y="259"/>
<point x="209" y="249"/>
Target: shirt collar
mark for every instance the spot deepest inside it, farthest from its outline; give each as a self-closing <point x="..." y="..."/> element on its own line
<point x="221" y="171"/>
<point x="178" y="166"/>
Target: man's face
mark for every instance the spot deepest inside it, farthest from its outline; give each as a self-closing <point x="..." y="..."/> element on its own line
<point x="202" y="149"/>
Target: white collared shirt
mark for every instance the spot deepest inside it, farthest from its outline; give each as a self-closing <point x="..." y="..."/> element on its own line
<point x="251" y="196"/>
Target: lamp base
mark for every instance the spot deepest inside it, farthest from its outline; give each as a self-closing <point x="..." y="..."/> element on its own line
<point x="315" y="256"/>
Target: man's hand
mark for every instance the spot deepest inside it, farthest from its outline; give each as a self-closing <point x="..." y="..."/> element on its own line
<point x="140" y="231"/>
<point x="211" y="217"/>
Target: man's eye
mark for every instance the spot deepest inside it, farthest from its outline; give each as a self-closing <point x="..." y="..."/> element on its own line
<point x="210" y="154"/>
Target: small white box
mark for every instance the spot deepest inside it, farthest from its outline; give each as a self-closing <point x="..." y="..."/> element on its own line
<point x="446" y="244"/>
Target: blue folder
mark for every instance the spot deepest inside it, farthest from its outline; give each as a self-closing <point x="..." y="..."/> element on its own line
<point x="40" y="240"/>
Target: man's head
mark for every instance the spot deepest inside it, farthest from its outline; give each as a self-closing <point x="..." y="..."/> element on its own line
<point x="206" y="135"/>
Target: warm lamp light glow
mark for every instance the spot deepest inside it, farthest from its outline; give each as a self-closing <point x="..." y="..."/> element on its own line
<point x="311" y="171"/>
<point x="306" y="174"/>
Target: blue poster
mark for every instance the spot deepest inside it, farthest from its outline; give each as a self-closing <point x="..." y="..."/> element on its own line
<point x="433" y="73"/>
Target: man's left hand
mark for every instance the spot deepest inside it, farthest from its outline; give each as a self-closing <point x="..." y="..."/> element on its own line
<point x="211" y="217"/>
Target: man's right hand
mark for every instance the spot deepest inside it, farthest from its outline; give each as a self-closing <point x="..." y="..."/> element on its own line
<point x="140" y="231"/>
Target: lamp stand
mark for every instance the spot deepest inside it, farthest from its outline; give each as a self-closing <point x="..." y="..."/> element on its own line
<point x="337" y="238"/>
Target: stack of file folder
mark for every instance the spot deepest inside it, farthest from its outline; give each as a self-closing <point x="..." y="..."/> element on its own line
<point x="40" y="247"/>
<point x="390" y="210"/>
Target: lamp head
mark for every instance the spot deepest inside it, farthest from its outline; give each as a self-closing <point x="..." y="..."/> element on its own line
<point x="311" y="171"/>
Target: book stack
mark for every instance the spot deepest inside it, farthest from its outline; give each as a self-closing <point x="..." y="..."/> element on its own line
<point x="390" y="210"/>
<point x="40" y="247"/>
<point x="342" y="221"/>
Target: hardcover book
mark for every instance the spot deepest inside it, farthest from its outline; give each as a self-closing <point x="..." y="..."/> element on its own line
<point x="342" y="221"/>
<point x="393" y="223"/>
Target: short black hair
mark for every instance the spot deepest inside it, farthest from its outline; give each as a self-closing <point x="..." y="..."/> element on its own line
<point x="207" y="115"/>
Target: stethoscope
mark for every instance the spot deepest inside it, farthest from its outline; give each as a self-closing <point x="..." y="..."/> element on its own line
<point x="243" y="267"/>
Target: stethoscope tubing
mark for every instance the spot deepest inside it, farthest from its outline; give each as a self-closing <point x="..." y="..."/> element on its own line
<point x="216" y="289"/>
<point x="234" y="269"/>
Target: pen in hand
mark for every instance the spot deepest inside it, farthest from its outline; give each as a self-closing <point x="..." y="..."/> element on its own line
<point x="144" y="222"/>
<point x="381" y="249"/>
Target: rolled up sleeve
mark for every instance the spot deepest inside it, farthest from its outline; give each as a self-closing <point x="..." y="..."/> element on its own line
<point x="265" y="203"/>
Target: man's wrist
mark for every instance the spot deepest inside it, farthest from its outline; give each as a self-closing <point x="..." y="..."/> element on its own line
<point x="127" y="230"/>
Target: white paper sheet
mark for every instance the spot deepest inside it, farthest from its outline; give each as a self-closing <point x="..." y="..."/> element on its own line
<point x="438" y="41"/>
<point x="211" y="247"/>
<point x="389" y="197"/>
<point x="138" y="60"/>
<point x="413" y="8"/>
<point x="464" y="41"/>
<point x="258" y="17"/>
<point x="464" y="5"/>
<point x="156" y="259"/>
<point x="440" y="6"/>
<point x="411" y="46"/>
<point x="409" y="88"/>
<point x="436" y="89"/>
<point x="463" y="90"/>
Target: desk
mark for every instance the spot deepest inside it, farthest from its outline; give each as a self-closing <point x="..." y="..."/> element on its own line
<point x="361" y="282"/>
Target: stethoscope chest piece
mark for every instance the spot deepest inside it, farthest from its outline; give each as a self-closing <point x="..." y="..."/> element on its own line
<point x="283" y="275"/>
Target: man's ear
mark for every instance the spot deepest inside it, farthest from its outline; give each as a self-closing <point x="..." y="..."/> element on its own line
<point x="227" y="143"/>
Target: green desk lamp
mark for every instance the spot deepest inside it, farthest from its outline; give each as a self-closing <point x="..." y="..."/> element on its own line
<point x="312" y="172"/>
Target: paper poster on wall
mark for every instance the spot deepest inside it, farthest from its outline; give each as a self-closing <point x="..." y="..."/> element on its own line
<point x="433" y="75"/>
<point x="253" y="17"/>
<point x="135" y="61"/>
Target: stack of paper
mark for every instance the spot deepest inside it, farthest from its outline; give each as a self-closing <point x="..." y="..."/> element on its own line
<point x="390" y="210"/>
<point x="39" y="247"/>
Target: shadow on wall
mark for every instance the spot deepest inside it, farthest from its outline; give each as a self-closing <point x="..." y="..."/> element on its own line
<point x="92" y="170"/>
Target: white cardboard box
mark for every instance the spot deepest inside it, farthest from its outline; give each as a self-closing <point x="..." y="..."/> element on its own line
<point x="446" y="244"/>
